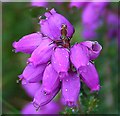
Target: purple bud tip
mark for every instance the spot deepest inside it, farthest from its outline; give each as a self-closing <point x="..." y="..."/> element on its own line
<point x="15" y="46"/>
<point x="70" y="103"/>
<point x="95" y="89"/>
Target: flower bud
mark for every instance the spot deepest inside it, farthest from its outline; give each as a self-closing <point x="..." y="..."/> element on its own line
<point x="90" y="77"/>
<point x="79" y="55"/>
<point x="42" y="99"/>
<point x="71" y="89"/>
<point x="43" y="53"/>
<point x="32" y="74"/>
<point x="51" y="26"/>
<point x="60" y="61"/>
<point x="28" y="43"/>
<point x="50" y="79"/>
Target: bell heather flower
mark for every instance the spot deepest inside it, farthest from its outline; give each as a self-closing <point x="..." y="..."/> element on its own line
<point x="51" y="26"/>
<point x="32" y="74"/>
<point x="50" y="79"/>
<point x="70" y="89"/>
<point x="57" y="65"/>
<point x="45" y="49"/>
<point x="90" y="76"/>
<point x="79" y="55"/>
<point x="60" y="61"/>
<point x="51" y="108"/>
<point x="28" y="43"/>
<point x="41" y="98"/>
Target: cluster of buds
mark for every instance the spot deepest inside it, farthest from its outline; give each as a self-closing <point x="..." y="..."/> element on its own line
<point x="55" y="64"/>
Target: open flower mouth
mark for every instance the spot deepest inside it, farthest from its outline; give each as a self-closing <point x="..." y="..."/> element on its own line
<point x="96" y="47"/>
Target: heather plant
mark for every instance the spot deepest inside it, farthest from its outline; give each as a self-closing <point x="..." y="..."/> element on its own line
<point x="69" y="55"/>
<point x="56" y="64"/>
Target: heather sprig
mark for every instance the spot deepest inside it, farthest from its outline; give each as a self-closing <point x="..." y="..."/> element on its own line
<point x="56" y="64"/>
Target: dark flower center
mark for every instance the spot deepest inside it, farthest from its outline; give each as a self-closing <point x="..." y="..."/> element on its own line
<point x="65" y="41"/>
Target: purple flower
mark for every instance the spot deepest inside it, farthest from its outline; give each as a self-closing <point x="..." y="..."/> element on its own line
<point x="90" y="76"/>
<point x="51" y="108"/>
<point x="56" y="64"/>
<point x="28" y="43"/>
<point x="39" y="3"/>
<point x="94" y="49"/>
<point x="32" y="74"/>
<point x="50" y="79"/>
<point x="60" y="61"/>
<point x="71" y="89"/>
<point x="79" y="55"/>
<point x="52" y="25"/>
<point x="43" y="53"/>
<point x="41" y="98"/>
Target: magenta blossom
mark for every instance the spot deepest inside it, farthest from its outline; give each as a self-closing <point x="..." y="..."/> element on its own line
<point x="52" y="25"/>
<point x="51" y="108"/>
<point x="57" y="64"/>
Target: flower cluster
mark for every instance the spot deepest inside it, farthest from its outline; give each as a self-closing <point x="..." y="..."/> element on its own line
<point x="55" y="63"/>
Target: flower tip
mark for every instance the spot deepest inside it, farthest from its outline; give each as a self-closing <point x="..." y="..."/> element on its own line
<point x="14" y="44"/>
<point x="70" y="103"/>
<point x="95" y="89"/>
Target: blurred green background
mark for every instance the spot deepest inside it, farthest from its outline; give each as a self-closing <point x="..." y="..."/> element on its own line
<point x="19" y="19"/>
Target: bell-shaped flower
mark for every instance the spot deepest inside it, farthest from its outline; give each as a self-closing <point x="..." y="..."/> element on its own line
<point x="41" y="99"/>
<point x="52" y="25"/>
<point x="90" y="77"/>
<point x="43" y="53"/>
<point x="71" y="89"/>
<point x="32" y="74"/>
<point x="79" y="55"/>
<point x="94" y="49"/>
<point x="50" y="79"/>
<point x="28" y="43"/>
<point x="60" y="61"/>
